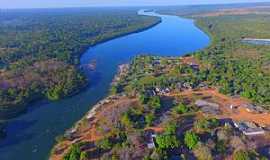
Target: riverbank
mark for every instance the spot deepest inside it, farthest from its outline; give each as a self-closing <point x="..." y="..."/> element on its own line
<point x="127" y="33"/>
<point x="87" y="128"/>
<point x="9" y="112"/>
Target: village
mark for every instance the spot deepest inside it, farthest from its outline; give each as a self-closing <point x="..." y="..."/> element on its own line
<point x="244" y="117"/>
<point x="242" y="114"/>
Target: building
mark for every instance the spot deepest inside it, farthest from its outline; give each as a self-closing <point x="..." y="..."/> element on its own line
<point x="249" y="128"/>
<point x="150" y="136"/>
<point x="162" y="91"/>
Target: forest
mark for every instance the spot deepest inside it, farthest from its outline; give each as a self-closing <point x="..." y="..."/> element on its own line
<point x="40" y="49"/>
<point x="238" y="68"/>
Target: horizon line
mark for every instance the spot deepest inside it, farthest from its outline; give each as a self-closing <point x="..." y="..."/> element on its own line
<point x="126" y="6"/>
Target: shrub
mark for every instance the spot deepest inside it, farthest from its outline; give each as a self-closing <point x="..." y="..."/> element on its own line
<point x="171" y="128"/>
<point x="241" y="155"/>
<point x="74" y="153"/>
<point x="154" y="102"/>
<point x="149" y="118"/>
<point x="181" y="108"/>
<point x="191" y="139"/>
<point x="206" y="124"/>
<point x="105" y="144"/>
<point x="83" y="156"/>
<point x="114" y="90"/>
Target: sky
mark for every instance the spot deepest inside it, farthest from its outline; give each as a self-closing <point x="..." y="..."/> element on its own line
<point x="88" y="3"/>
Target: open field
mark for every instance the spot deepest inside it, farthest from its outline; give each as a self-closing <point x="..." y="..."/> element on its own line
<point x="259" y="10"/>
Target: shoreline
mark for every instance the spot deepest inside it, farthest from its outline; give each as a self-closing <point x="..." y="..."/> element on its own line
<point x="99" y="106"/>
<point x="14" y="112"/>
<point x="125" y="34"/>
<point x="73" y="135"/>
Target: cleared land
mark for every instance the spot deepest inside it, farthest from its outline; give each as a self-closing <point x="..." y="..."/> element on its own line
<point x="240" y="113"/>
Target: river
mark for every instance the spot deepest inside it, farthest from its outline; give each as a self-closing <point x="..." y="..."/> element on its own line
<point x="31" y="136"/>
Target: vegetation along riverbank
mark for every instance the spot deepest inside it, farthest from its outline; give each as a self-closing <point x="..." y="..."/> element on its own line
<point x="213" y="104"/>
<point x="41" y="61"/>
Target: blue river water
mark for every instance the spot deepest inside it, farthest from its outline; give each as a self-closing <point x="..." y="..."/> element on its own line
<point x="31" y="136"/>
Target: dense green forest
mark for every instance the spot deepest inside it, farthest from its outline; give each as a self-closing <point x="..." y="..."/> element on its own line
<point x="40" y="49"/>
<point x="236" y="68"/>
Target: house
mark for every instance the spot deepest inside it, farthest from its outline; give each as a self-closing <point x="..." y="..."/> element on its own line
<point x="151" y="142"/>
<point x="162" y="91"/>
<point x="151" y="93"/>
<point x="157" y="89"/>
<point x="150" y="136"/>
<point x="156" y="62"/>
<point x="226" y="122"/>
<point x="233" y="107"/>
<point x="194" y="66"/>
<point x="179" y="86"/>
<point x="187" y="85"/>
<point x="203" y="86"/>
<point x="249" y="128"/>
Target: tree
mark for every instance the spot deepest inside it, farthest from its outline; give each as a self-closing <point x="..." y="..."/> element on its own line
<point x="206" y="124"/>
<point x="74" y="153"/>
<point x="241" y="155"/>
<point x="83" y="156"/>
<point x="54" y="93"/>
<point x="191" y="139"/>
<point x="126" y="120"/>
<point x="166" y="141"/>
<point x="133" y="118"/>
<point x="171" y="128"/>
<point x="149" y="118"/>
<point x="181" y="108"/>
<point x="143" y="98"/>
<point x="104" y="144"/>
<point x="154" y="102"/>
<point x="114" y="90"/>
